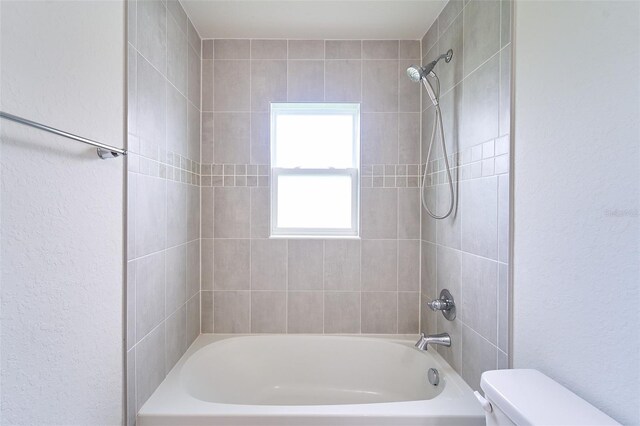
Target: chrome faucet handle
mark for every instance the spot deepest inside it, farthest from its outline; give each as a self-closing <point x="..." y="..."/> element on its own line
<point x="439" y="305"/>
<point x="444" y="303"/>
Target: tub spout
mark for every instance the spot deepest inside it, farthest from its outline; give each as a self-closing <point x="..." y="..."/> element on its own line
<point x="442" y="339"/>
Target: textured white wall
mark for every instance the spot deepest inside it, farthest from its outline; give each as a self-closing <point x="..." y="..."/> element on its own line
<point x="62" y="63"/>
<point x="576" y="199"/>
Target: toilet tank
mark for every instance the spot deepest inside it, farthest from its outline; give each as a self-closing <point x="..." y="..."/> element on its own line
<point x="528" y="397"/>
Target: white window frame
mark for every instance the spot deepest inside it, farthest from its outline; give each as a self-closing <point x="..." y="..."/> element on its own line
<point x="352" y="109"/>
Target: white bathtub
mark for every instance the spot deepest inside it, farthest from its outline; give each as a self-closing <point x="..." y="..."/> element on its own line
<point x="309" y="380"/>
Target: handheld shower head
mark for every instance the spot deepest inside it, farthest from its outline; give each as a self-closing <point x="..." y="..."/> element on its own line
<point x="417" y="74"/>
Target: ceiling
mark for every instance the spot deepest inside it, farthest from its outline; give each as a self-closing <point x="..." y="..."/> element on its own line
<point x="313" y="19"/>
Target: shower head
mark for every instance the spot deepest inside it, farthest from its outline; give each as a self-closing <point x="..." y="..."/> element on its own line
<point x="417" y="73"/>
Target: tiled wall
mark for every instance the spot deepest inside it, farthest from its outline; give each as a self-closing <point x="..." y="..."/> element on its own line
<point x="163" y="230"/>
<point x="468" y="253"/>
<point x="254" y="284"/>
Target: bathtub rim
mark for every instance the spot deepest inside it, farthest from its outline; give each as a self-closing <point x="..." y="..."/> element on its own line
<point x="171" y="403"/>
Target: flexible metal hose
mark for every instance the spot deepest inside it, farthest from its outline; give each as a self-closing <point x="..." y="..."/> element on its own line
<point x="437" y="125"/>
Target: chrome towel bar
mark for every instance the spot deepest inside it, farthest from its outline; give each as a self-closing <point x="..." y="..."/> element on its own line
<point x="104" y="151"/>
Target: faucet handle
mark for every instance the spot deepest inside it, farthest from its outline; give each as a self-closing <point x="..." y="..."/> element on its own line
<point x="444" y="303"/>
<point x="439" y="305"/>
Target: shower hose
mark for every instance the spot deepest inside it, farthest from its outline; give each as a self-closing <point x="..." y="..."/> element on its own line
<point x="437" y="125"/>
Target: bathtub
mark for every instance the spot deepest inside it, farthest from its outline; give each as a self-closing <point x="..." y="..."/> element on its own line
<point x="309" y="380"/>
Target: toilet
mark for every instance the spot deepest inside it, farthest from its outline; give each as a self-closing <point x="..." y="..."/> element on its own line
<point x="528" y="397"/>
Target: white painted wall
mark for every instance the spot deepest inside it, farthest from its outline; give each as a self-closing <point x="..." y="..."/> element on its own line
<point x="62" y="63"/>
<point x="576" y="199"/>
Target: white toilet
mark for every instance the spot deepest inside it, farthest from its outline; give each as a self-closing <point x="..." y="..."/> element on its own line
<point x="528" y="397"/>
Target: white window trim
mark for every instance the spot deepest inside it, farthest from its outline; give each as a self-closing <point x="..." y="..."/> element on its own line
<point x="353" y="172"/>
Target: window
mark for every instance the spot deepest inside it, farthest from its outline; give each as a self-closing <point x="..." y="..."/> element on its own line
<point x="315" y="160"/>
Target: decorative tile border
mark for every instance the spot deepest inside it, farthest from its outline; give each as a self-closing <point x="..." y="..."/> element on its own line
<point x="486" y="159"/>
<point x="230" y="175"/>
<point x="390" y="176"/>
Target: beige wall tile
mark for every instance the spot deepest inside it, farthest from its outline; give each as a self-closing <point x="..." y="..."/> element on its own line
<point x="206" y="209"/>
<point x="379" y="265"/>
<point x="380" y="49"/>
<point x="379" y="312"/>
<point x="306" y="49"/>
<point x="408" y="312"/>
<point x="268" y="311"/>
<point x="176" y="121"/>
<point x="268" y="49"/>
<point x="260" y="138"/>
<point x="231" y="138"/>
<point x="409" y="49"/>
<point x="409" y="265"/>
<point x="479" y="210"/>
<point x="193" y="319"/>
<point x="380" y="86"/>
<point x="193" y="76"/>
<point x="231" y="88"/>
<point x="449" y="274"/>
<point x="479" y="295"/>
<point x="342" y="312"/>
<point x="231" y="49"/>
<point x="177" y="56"/>
<point x="305" y="312"/>
<point x="428" y="283"/>
<point x="151" y="114"/>
<point x="231" y="311"/>
<point x="343" y="81"/>
<point x="481" y="32"/>
<point x="176" y="337"/>
<point x="342" y="265"/>
<point x="207" y="138"/>
<point x="409" y="213"/>
<point x="206" y="324"/>
<point x="343" y="49"/>
<point x="260" y="213"/>
<point x="150" y="365"/>
<point x="448" y="230"/>
<point x="268" y="83"/>
<point x="176" y="278"/>
<point x="207" y="49"/>
<point x="478" y="356"/>
<point x="176" y="213"/>
<point x="451" y="73"/>
<point x="193" y="212"/>
<point x="152" y="32"/>
<point x="305" y="81"/>
<point x="379" y="223"/>
<point x="151" y="215"/>
<point x="429" y="39"/>
<point x="379" y="138"/>
<point x="449" y="13"/>
<point x="268" y="264"/>
<point x="206" y="279"/>
<point x="305" y="265"/>
<point x="193" y="268"/>
<point x="480" y="105"/>
<point x="231" y="215"/>
<point x="207" y="85"/>
<point x="231" y="264"/>
<point x="193" y="132"/>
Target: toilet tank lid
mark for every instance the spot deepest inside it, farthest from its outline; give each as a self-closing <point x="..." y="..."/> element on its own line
<point x="528" y="397"/>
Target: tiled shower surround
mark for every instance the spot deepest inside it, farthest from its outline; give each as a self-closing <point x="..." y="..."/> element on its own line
<point x="199" y="254"/>
<point x="468" y="253"/>
<point x="253" y="284"/>
<point x="163" y="226"/>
